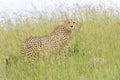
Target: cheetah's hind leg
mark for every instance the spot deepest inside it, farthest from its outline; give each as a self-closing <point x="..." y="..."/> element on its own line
<point x="32" y="57"/>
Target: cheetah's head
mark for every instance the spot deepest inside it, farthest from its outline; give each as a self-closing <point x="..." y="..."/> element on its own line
<point x="70" y="24"/>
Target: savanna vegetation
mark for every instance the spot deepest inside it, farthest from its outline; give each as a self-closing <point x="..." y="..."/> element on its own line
<point x="97" y="36"/>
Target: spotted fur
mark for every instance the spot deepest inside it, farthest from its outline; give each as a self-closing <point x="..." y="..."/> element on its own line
<point x="57" y="42"/>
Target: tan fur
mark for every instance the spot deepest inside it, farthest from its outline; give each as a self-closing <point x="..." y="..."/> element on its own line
<point x="57" y="42"/>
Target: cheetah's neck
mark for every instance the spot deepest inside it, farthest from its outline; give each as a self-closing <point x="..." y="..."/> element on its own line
<point x="61" y="30"/>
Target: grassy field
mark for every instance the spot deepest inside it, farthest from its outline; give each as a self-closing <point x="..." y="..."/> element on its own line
<point x="97" y="36"/>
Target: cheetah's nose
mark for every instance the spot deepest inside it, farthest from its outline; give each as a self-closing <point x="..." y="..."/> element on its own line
<point x="71" y="26"/>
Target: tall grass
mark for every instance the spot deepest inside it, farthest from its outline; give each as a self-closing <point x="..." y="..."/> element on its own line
<point x="97" y="35"/>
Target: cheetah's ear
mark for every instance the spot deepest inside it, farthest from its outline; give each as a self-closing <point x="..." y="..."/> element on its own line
<point x="66" y="21"/>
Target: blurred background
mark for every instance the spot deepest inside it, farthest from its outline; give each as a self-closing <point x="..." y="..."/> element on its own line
<point x="24" y="7"/>
<point x="51" y="5"/>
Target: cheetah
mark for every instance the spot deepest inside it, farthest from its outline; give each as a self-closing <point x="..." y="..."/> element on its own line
<point x="57" y="42"/>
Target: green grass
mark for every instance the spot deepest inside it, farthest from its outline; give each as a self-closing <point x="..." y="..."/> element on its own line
<point x="97" y="35"/>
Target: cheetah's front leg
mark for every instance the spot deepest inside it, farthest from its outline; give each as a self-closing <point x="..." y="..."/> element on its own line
<point x="64" y="50"/>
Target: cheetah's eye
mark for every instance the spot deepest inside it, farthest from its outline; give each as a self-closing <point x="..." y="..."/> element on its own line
<point x="74" y="22"/>
<point x="68" y="22"/>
